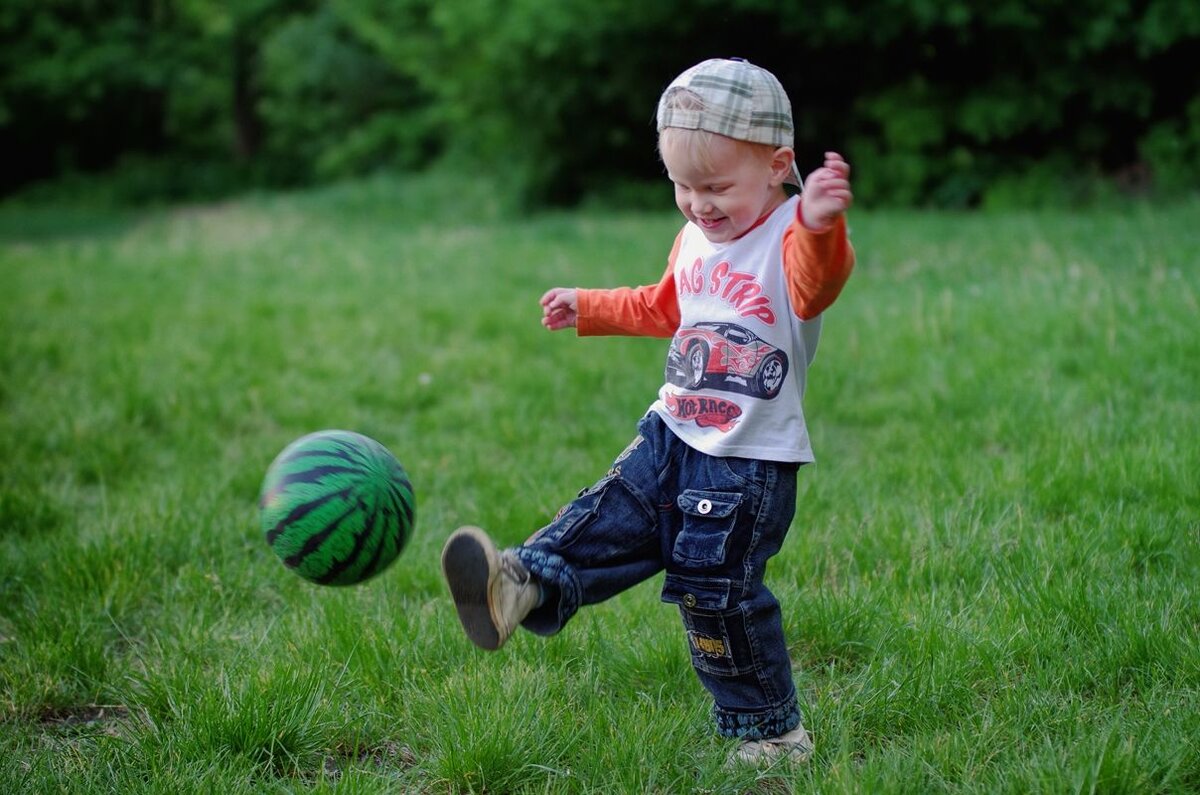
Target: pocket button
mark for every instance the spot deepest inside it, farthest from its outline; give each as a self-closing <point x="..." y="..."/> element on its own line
<point x="704" y="507"/>
<point x="689" y="600"/>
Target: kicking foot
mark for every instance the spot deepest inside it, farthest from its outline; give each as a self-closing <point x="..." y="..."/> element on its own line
<point x="492" y="590"/>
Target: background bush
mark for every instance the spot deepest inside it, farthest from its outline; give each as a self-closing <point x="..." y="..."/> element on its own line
<point x="937" y="102"/>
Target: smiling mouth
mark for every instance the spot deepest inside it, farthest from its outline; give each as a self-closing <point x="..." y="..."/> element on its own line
<point x="709" y="223"/>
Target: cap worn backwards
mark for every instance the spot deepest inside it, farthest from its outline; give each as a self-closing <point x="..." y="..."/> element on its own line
<point x="730" y="97"/>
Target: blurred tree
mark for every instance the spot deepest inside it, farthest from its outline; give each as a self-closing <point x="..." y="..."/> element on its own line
<point x="81" y="82"/>
<point x="942" y="102"/>
<point x="332" y="107"/>
<point x="937" y="101"/>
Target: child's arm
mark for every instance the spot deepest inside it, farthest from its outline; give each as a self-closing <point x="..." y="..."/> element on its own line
<point x="817" y="256"/>
<point x="649" y="311"/>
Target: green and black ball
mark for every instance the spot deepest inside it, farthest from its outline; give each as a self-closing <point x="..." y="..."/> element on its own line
<point x="337" y="507"/>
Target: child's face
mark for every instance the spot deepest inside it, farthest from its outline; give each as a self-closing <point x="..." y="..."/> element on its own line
<point x="728" y="190"/>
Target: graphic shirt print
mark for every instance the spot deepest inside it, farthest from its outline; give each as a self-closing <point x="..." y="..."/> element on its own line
<point x="734" y="373"/>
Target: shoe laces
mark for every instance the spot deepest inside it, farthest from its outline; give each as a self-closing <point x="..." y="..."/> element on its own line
<point x="514" y="570"/>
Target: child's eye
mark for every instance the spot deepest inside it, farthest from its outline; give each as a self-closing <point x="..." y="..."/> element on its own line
<point x="718" y="189"/>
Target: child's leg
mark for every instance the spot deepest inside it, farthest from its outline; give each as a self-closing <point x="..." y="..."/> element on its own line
<point x="607" y="539"/>
<point x="603" y="542"/>
<point x="734" y="516"/>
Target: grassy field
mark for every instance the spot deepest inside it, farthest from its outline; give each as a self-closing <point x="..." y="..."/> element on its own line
<point x="992" y="583"/>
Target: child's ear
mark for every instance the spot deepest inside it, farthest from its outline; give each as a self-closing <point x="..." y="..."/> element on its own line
<point x="781" y="165"/>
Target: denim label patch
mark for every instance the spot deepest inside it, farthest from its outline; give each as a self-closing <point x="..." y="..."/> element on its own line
<point x="708" y="646"/>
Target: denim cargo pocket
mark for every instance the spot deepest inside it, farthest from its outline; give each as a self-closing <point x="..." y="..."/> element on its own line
<point x="574" y="517"/>
<point x="604" y="523"/>
<point x="702" y="604"/>
<point x="708" y="519"/>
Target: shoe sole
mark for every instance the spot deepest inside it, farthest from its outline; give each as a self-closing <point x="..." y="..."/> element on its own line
<point x="470" y="563"/>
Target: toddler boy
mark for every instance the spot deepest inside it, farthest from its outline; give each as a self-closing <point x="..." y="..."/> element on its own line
<point x="707" y="489"/>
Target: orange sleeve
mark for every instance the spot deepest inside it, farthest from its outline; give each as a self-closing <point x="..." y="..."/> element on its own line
<point x="648" y="311"/>
<point x="817" y="265"/>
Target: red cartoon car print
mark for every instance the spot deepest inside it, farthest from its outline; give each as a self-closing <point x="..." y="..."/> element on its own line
<point x="726" y="357"/>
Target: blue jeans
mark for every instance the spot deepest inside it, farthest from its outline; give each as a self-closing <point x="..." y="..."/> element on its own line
<point x="712" y="524"/>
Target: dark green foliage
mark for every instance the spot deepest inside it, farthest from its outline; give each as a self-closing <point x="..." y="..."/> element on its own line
<point x="937" y="102"/>
<point x="332" y="109"/>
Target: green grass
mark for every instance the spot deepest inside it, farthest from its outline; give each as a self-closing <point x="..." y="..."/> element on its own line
<point x="992" y="583"/>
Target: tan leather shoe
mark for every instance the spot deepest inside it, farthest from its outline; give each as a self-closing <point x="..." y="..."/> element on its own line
<point x="492" y="590"/>
<point x="796" y="747"/>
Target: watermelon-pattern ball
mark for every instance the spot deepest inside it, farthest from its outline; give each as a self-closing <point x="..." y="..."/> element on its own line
<point x="336" y="507"/>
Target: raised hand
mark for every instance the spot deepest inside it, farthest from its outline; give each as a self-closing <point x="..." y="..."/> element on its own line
<point x="827" y="193"/>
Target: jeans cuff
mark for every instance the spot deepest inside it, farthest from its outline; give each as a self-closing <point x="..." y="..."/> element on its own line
<point x="561" y="589"/>
<point x="758" y="725"/>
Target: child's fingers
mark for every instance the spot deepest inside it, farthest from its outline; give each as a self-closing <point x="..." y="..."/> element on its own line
<point x="556" y="310"/>
<point x="837" y="163"/>
<point x="820" y="176"/>
<point x="558" y="320"/>
<point x="836" y="171"/>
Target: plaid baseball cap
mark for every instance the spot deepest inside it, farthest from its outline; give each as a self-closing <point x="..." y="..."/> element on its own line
<point x="736" y="99"/>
